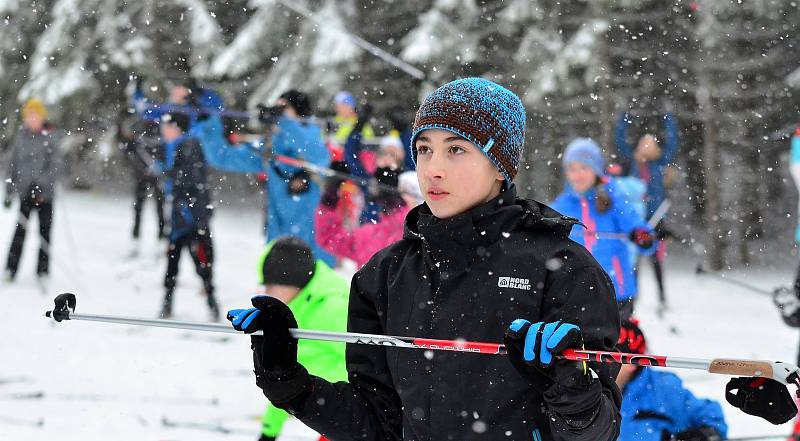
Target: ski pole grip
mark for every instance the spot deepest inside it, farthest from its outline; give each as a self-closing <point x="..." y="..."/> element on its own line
<point x="742" y="368"/>
<point x="64" y="303"/>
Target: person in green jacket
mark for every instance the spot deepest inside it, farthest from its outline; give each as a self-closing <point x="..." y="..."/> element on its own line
<point x="318" y="298"/>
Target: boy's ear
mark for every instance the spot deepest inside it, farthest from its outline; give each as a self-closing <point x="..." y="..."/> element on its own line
<point x="499" y="176"/>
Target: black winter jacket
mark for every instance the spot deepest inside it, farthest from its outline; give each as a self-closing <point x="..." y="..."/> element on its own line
<point x="191" y="197"/>
<point x="469" y="277"/>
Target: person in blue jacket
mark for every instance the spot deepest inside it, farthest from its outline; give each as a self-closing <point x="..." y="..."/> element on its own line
<point x="292" y="194"/>
<point x="185" y="97"/>
<point x="650" y="161"/>
<point x="794" y="169"/>
<point x="656" y="406"/>
<point x="651" y="157"/>
<point x="609" y="219"/>
<point x="186" y="180"/>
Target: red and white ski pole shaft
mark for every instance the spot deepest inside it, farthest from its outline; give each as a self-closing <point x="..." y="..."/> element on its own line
<point x="657" y="216"/>
<point x="786" y="373"/>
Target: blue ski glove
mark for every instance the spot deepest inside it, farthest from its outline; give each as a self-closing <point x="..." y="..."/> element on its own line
<point x="532" y="349"/>
<point x="277" y="371"/>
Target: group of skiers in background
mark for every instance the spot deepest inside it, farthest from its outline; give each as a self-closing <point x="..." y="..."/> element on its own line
<point x="430" y="216"/>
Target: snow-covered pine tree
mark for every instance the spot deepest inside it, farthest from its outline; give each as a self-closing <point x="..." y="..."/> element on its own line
<point x="745" y="47"/>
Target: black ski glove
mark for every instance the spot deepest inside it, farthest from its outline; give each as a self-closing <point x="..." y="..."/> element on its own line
<point x="703" y="433"/>
<point x="278" y="373"/>
<point x="788" y="302"/>
<point x="364" y="114"/>
<point x="532" y="349"/>
<point x="762" y="397"/>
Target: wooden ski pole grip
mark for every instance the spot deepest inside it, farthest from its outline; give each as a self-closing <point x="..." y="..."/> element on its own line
<point x="741" y="368"/>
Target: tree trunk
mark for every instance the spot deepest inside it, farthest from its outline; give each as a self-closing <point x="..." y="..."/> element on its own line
<point x="711" y="168"/>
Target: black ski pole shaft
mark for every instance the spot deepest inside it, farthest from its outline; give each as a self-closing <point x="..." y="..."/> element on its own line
<point x="739" y="283"/>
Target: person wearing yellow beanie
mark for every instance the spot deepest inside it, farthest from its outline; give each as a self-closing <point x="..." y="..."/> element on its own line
<point x="34" y="107"/>
<point x="33" y="170"/>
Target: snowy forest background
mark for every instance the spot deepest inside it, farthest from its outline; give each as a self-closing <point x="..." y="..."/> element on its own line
<point x="728" y="69"/>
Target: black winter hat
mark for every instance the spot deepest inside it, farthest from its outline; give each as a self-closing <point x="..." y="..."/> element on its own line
<point x="299" y="101"/>
<point x="178" y="118"/>
<point x="289" y="261"/>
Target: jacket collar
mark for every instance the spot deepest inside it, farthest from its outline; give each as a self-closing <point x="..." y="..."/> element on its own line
<point x="460" y="238"/>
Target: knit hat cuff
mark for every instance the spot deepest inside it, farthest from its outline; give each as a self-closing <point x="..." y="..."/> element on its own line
<point x="485" y="149"/>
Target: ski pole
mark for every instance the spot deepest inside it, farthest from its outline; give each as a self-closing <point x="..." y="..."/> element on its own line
<point x="328" y="173"/>
<point x="360" y="42"/>
<point x="21" y="422"/>
<point x="739" y="283"/>
<point x="785" y="373"/>
<point x="759" y="437"/>
<point x="659" y="214"/>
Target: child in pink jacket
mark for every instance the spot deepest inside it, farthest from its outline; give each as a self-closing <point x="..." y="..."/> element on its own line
<point x="362" y="242"/>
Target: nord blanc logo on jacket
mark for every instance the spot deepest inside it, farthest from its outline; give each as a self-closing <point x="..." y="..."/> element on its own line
<point x="513" y="282"/>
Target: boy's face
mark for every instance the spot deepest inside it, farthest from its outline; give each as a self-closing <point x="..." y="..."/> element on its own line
<point x="284" y="293"/>
<point x="580" y="176"/>
<point x="454" y="175"/>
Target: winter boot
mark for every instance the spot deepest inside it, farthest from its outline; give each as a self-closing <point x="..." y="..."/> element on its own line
<point x="212" y="305"/>
<point x="166" y="306"/>
<point x="135" y="250"/>
<point x="43" y="281"/>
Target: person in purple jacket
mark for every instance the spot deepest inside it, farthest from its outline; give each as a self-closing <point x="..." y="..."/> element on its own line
<point x="609" y="219"/>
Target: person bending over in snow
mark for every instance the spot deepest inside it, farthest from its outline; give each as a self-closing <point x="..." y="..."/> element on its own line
<point x="317" y="298"/>
<point x="656" y="406"/>
<point x="475" y="262"/>
<point x="608" y="219"/>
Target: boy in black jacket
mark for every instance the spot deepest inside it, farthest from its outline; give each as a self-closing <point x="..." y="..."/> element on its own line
<point x="185" y="170"/>
<point x="474" y="261"/>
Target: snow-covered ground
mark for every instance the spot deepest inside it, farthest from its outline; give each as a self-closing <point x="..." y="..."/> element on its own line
<point x="87" y="381"/>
